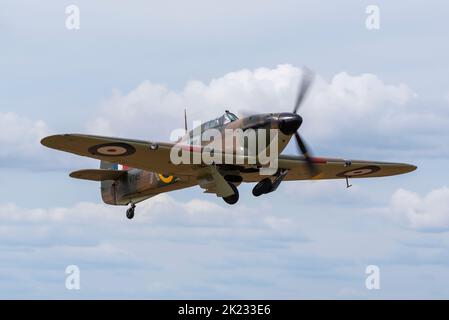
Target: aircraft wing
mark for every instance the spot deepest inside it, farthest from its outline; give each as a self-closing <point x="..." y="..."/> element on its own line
<point x="146" y="155"/>
<point x="155" y="156"/>
<point x="332" y="168"/>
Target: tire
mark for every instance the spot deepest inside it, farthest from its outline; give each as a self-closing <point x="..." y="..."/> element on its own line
<point x="264" y="186"/>
<point x="130" y="213"/>
<point x="233" y="198"/>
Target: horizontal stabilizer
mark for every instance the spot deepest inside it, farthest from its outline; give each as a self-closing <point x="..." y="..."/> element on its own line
<point x="97" y="174"/>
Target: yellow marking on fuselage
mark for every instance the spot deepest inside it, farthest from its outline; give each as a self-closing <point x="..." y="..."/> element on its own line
<point x="165" y="179"/>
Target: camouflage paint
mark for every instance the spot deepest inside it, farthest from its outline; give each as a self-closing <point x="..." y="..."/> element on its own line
<point x="134" y="186"/>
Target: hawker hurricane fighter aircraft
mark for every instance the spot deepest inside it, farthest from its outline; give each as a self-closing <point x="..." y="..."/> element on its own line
<point x="134" y="170"/>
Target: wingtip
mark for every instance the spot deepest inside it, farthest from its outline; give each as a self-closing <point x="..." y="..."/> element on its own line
<point x="409" y="167"/>
<point x="47" y="141"/>
<point x="51" y="141"/>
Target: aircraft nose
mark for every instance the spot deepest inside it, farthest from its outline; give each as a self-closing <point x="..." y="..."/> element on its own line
<point x="289" y="123"/>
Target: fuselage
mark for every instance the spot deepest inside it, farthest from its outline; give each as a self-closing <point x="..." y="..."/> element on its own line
<point x="137" y="185"/>
<point x="283" y="124"/>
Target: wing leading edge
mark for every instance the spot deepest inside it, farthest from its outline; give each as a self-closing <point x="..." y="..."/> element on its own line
<point x="155" y="157"/>
<point x="331" y="168"/>
<point x="145" y="155"/>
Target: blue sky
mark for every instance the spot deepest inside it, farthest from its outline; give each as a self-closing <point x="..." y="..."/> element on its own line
<point x="130" y="71"/>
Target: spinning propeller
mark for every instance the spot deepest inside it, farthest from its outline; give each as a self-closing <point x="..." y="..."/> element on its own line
<point x="290" y="122"/>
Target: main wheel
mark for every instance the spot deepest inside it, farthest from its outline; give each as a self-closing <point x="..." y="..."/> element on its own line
<point x="264" y="186"/>
<point x="130" y="213"/>
<point x="232" y="199"/>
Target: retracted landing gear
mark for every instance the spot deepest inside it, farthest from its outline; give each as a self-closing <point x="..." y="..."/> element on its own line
<point x="232" y="199"/>
<point x="130" y="211"/>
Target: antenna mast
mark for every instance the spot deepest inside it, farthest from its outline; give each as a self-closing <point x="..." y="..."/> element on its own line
<point x="185" y="119"/>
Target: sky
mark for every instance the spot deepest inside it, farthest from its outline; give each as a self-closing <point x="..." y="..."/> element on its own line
<point x="130" y="71"/>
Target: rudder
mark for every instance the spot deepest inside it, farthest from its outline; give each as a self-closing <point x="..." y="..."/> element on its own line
<point x="108" y="187"/>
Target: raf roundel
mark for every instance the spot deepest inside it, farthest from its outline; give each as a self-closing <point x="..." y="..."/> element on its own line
<point x="112" y="149"/>
<point x="363" y="171"/>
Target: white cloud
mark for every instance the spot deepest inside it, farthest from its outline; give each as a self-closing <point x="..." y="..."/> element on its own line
<point x="147" y="107"/>
<point x="354" y="108"/>
<point x="329" y="192"/>
<point x="426" y="213"/>
<point x="357" y="102"/>
<point x="20" y="145"/>
<point x="162" y="211"/>
<point x="20" y="136"/>
<point x="357" y="109"/>
<point x="168" y="249"/>
<point x="196" y="249"/>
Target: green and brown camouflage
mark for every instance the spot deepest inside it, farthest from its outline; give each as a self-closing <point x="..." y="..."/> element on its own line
<point x="229" y="121"/>
<point x="151" y="170"/>
<point x="135" y="185"/>
<point x="158" y="169"/>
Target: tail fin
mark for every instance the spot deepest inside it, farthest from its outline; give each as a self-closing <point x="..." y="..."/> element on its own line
<point x="108" y="192"/>
<point x="108" y="165"/>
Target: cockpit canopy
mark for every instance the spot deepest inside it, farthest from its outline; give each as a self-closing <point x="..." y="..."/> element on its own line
<point x="218" y="122"/>
<point x="230" y="116"/>
<point x="194" y="135"/>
